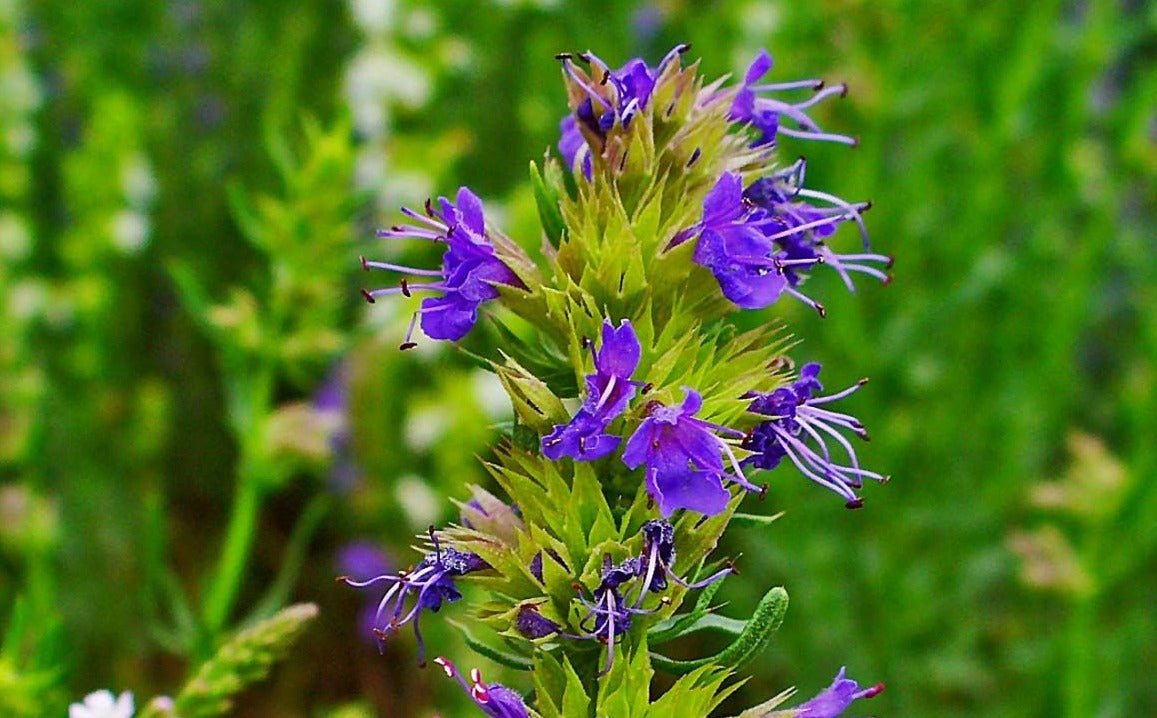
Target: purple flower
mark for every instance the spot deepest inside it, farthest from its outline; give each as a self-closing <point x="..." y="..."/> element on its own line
<point x="609" y="391"/>
<point x="495" y="700"/>
<point x="799" y="229"/>
<point x="470" y="267"/>
<point x="764" y="113"/>
<point x="682" y="454"/>
<point x="733" y="245"/>
<point x="610" y="97"/>
<point x="361" y="561"/>
<point x="608" y="609"/>
<point x="835" y="699"/>
<point x="794" y="415"/>
<point x="431" y="582"/>
<point x="760" y="242"/>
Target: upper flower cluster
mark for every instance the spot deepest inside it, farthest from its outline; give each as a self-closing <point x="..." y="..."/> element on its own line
<point x="608" y="98"/>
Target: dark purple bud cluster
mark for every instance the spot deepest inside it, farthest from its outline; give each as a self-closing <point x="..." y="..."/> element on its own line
<point x="610" y="611"/>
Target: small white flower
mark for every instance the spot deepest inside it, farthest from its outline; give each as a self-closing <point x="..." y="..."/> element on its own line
<point x="101" y="704"/>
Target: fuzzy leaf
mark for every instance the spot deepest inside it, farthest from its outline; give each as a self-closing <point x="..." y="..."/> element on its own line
<point x="244" y="659"/>
<point x="756" y="634"/>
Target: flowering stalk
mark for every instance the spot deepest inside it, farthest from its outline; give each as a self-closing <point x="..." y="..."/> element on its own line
<point x="642" y="417"/>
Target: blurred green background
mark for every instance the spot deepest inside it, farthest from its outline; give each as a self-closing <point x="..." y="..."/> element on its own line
<point x="185" y="187"/>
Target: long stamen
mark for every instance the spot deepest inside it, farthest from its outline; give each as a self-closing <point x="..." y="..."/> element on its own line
<point x="610" y="598"/>
<point x="841" y="89"/>
<point x="718" y="575"/>
<point x="820" y="309"/>
<point x="812" y="84"/>
<point x="652" y="561"/>
<point x="369" y="264"/>
<point x="739" y="477"/>
<point x="837" y="486"/>
<point x="606" y="392"/>
<point x="810" y="225"/>
<point x="819" y="136"/>
<point x="839" y="395"/>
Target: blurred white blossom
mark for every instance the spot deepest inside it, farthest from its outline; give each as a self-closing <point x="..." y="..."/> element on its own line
<point x="102" y="704"/>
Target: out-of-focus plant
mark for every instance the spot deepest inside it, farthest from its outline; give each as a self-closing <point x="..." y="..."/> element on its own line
<point x="1074" y="554"/>
<point x="281" y="327"/>
<point x="243" y="659"/>
<point x="22" y="297"/>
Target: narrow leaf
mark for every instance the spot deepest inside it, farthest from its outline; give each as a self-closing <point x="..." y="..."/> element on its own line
<point x="546" y="198"/>
<point x="755" y="636"/>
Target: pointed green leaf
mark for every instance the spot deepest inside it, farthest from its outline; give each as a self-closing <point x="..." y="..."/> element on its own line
<point x="748" y="520"/>
<point x="546" y="198"/>
<point x="495" y="654"/>
<point x="678" y="625"/>
<point x="575" y="701"/>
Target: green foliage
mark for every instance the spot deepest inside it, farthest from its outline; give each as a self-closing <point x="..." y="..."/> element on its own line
<point x="30" y="678"/>
<point x="1008" y="150"/>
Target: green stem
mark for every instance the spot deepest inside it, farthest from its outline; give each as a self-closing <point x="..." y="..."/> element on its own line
<point x="235" y="555"/>
<point x="1081" y="669"/>
<point x="1081" y="662"/>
